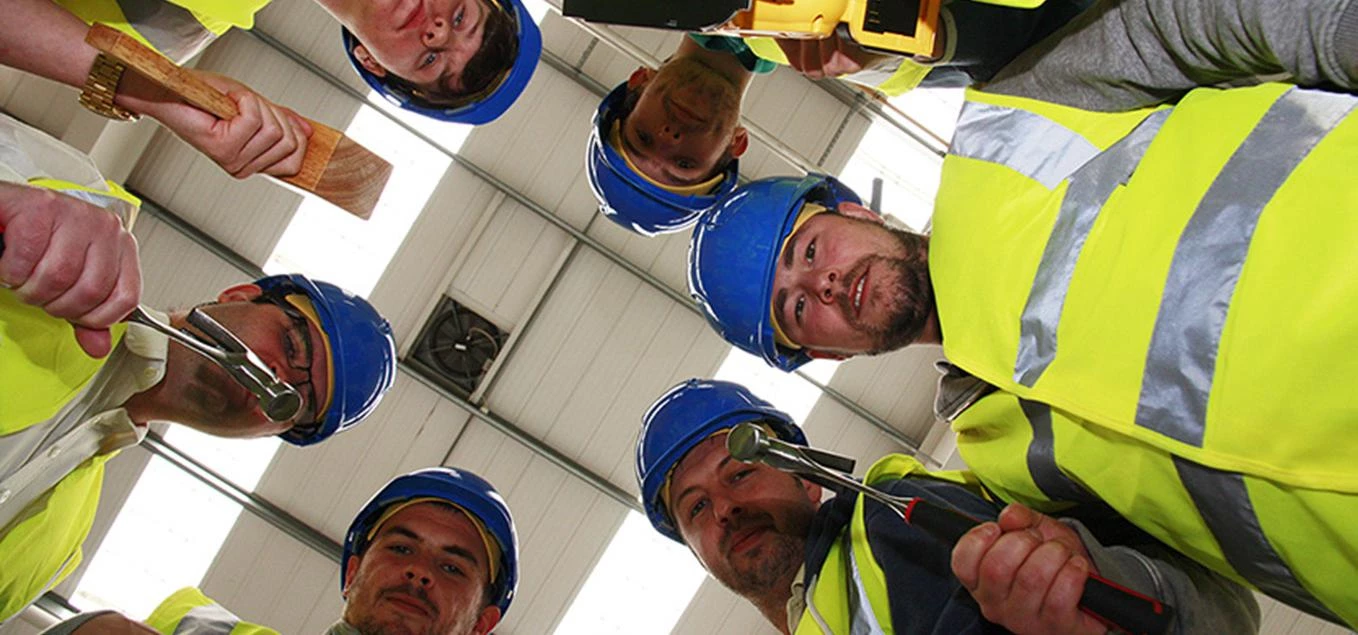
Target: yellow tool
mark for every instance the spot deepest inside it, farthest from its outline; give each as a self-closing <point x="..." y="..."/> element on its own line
<point x="902" y="27"/>
<point x="896" y="26"/>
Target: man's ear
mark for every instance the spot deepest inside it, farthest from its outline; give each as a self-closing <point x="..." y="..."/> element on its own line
<point x="740" y="142"/>
<point x="640" y="78"/>
<point x="350" y="570"/>
<point x="368" y="62"/>
<point x="854" y="210"/>
<point x="839" y="357"/>
<point x="813" y="491"/>
<point x="489" y="617"/>
<point x="240" y="293"/>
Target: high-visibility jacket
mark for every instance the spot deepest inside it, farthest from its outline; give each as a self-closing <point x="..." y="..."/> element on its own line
<point x="1167" y="303"/>
<point x="40" y="353"/>
<point x="42" y="546"/>
<point x="189" y="611"/>
<point x="179" y="29"/>
<point x="848" y="593"/>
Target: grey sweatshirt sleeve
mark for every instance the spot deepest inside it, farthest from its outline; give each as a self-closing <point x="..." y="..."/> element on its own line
<point x="1203" y="601"/>
<point x="1125" y="54"/>
<point x="69" y="625"/>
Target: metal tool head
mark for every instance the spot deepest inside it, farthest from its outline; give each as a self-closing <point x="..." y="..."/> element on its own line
<point x="278" y="400"/>
<point x="747" y="442"/>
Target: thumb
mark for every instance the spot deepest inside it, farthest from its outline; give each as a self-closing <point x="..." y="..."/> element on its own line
<point x="95" y="342"/>
<point x="1017" y="516"/>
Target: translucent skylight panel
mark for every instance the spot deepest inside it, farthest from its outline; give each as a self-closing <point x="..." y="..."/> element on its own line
<point x="640" y="586"/>
<point x="328" y="244"/>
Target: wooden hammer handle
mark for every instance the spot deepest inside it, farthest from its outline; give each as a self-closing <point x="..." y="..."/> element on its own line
<point x="334" y="167"/>
<point x="163" y="72"/>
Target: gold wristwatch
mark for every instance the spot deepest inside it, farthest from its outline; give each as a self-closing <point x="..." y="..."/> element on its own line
<point x="101" y="86"/>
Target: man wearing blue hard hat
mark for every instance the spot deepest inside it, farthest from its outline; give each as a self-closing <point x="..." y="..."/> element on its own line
<point x="1105" y="56"/>
<point x="1117" y="295"/>
<point x="463" y="61"/>
<point x="67" y="414"/>
<point x="284" y="356"/>
<point x="434" y="552"/>
<point x="664" y="144"/>
<point x="844" y="565"/>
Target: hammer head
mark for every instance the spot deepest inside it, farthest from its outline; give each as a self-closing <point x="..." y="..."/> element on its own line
<point x="747" y="442"/>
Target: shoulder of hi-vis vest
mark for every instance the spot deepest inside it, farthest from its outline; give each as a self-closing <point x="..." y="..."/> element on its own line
<point x="851" y="593"/>
<point x="1178" y="275"/>
<point x="43" y="547"/>
<point x="1164" y="299"/>
<point x="179" y="29"/>
<point x="189" y="611"/>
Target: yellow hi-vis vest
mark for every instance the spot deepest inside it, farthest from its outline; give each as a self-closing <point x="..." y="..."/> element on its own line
<point x="179" y="29"/>
<point x="1166" y="299"/>
<point x="42" y="546"/>
<point x="849" y="596"/>
<point x="189" y="611"/>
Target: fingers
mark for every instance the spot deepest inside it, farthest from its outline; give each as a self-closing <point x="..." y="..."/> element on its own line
<point x="277" y="144"/>
<point x="25" y="242"/>
<point x="125" y="293"/>
<point x="72" y="259"/>
<point x="262" y="137"/>
<point x="95" y="342"/>
<point x="297" y="132"/>
<point x="1023" y="581"/>
<point x="970" y="549"/>
<point x="828" y="57"/>
<point x="93" y="276"/>
<point x="61" y="264"/>
<point x="1016" y="516"/>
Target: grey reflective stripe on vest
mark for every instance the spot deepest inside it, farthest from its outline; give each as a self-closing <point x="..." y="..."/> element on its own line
<point x="1089" y="189"/>
<point x="864" y="620"/>
<point x="1202" y="277"/>
<point x="173" y="30"/>
<point x="1027" y="143"/>
<point x="1049" y="478"/>
<point x="207" y="620"/>
<point x="1224" y="504"/>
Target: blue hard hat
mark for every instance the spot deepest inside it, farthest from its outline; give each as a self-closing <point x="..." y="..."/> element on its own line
<point x="685" y="416"/>
<point x="362" y="354"/>
<point x="484" y="110"/>
<point x="626" y="197"/>
<point x="468" y="491"/>
<point x="734" y="250"/>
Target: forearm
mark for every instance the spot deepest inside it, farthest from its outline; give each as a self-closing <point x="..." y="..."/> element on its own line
<point x="1124" y="54"/>
<point x="42" y="38"/>
<point x="1204" y="602"/>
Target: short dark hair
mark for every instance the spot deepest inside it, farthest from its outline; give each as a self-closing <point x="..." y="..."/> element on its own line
<point x="483" y="72"/>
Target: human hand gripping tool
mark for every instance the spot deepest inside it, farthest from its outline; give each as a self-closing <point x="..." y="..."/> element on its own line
<point x="278" y="400"/>
<point x="1120" y="609"/>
